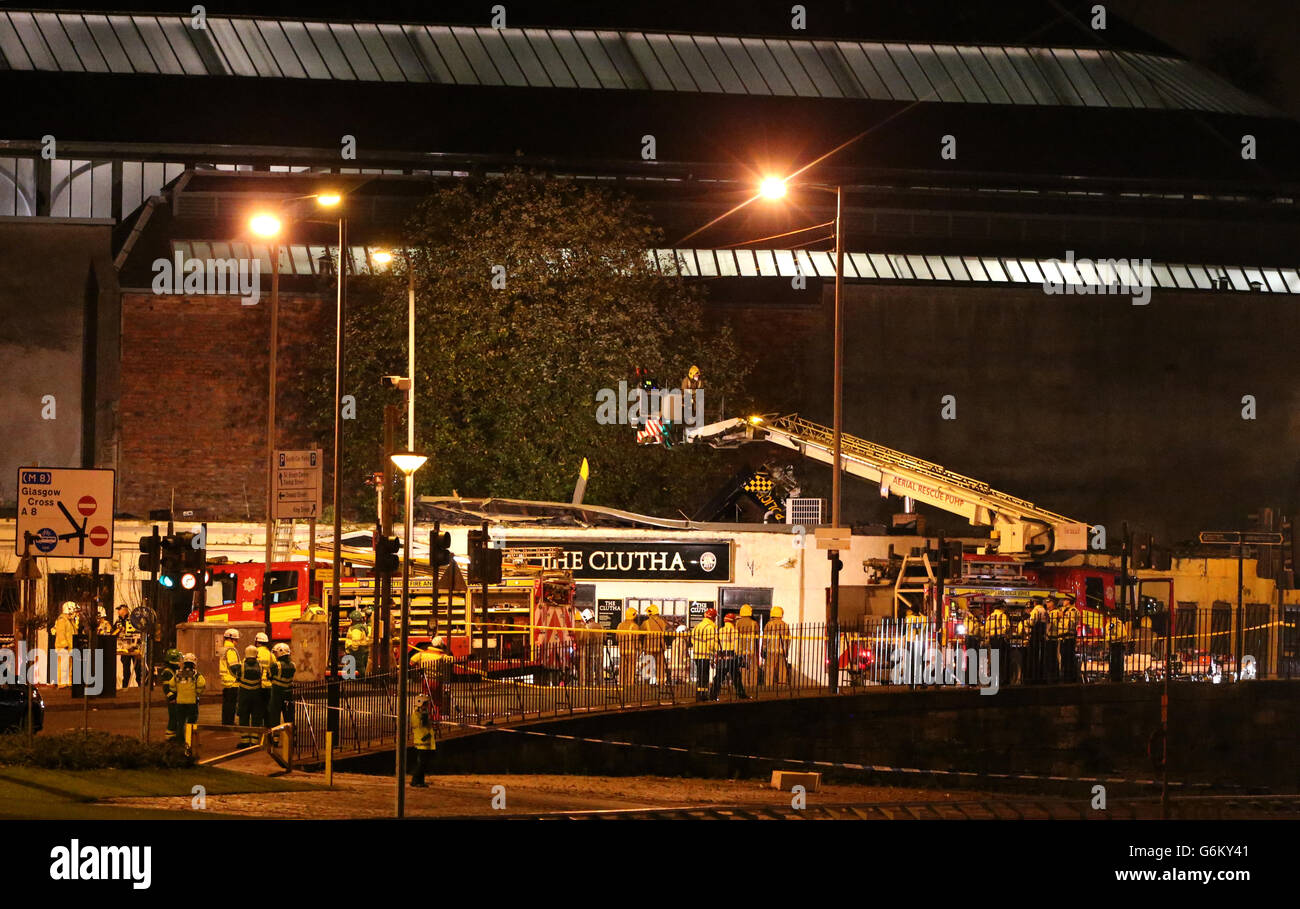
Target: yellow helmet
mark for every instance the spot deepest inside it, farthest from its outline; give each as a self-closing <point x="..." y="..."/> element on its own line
<point x="630" y="613"/>
<point x="652" y="610"/>
<point x="777" y="612"/>
<point x="693" y="372"/>
<point x="746" y="610"/>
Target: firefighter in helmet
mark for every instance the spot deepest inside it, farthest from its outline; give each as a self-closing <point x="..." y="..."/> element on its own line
<point x="776" y="649"/>
<point x="188" y="685"/>
<point x="357" y="644"/>
<point x="654" y="640"/>
<point x="226" y="665"/>
<point x="249" y="677"/>
<point x="265" y="657"/>
<point x="282" y="670"/>
<point x="423" y="724"/>
<point x="747" y="655"/>
<point x="629" y="647"/>
<point x="704" y="646"/>
<point x="168" y="678"/>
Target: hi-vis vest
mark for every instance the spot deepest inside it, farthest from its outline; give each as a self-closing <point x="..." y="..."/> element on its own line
<point x="282" y="671"/>
<point x="998" y="625"/>
<point x="188" y="685"/>
<point x="1069" y="622"/>
<point x="358" y="639"/>
<point x="704" y="639"/>
<point x="250" y="674"/>
<point x="422" y="729"/>
<point x="728" y="638"/>
<point x="227" y="665"/>
<point x="265" y="659"/>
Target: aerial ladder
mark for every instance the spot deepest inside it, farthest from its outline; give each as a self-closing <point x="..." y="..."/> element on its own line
<point x="1018" y="527"/>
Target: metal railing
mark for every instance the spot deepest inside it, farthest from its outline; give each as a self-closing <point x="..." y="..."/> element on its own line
<point x="596" y="670"/>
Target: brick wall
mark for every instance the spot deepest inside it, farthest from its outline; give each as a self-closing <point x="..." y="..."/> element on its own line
<point x="193" y="405"/>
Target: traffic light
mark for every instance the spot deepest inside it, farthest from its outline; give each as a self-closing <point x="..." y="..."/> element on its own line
<point x="150" y="559"/>
<point x="386" y="550"/>
<point x="484" y="563"/>
<point x="183" y="566"/>
<point x="439" y="549"/>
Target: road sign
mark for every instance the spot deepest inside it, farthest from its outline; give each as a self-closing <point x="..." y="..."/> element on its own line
<point x="67" y="510"/>
<point x="325" y="575"/>
<point x="1235" y="537"/>
<point x="837" y="538"/>
<point x="299" y="480"/>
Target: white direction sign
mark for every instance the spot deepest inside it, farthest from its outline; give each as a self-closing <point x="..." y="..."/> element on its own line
<point x="67" y="510"/>
<point x="299" y="478"/>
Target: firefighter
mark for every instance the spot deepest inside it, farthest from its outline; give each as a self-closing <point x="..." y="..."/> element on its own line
<point x="434" y="660"/>
<point x="66" y="627"/>
<point x="168" y="679"/>
<point x="654" y="641"/>
<point x="282" y="670"/>
<point x="1037" y="640"/>
<point x="265" y="657"/>
<point x="747" y="655"/>
<point x="249" y="676"/>
<point x="704" y="646"/>
<point x="1116" y="638"/>
<point x="422" y="728"/>
<point x="104" y="626"/>
<point x="188" y="685"/>
<point x="974" y="637"/>
<point x="914" y="642"/>
<point x="1052" y="671"/>
<point x="128" y="646"/>
<point x="628" y="647"/>
<point x="679" y="657"/>
<point x="1069" y="638"/>
<point x="590" y="647"/>
<point x="999" y="631"/>
<point x="227" y="663"/>
<point x="357" y="644"/>
<point x="728" y="659"/>
<point x="776" y="649"/>
<point x="315" y="613"/>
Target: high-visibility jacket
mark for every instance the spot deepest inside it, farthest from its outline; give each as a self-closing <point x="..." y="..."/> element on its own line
<point x="249" y="674"/>
<point x="776" y="639"/>
<point x="282" y="671"/>
<point x="168" y="679"/>
<point x="315" y="613"/>
<point x="1069" y="622"/>
<point x="65" y="626"/>
<point x="265" y="658"/>
<point x="1054" y="622"/>
<point x="998" y="624"/>
<point x="627" y="634"/>
<point x="704" y="639"/>
<point x="747" y="628"/>
<point x="432" y="663"/>
<point x="729" y="638"/>
<point x="422" y="725"/>
<point x="974" y="626"/>
<point x="104" y="626"/>
<point x="128" y="639"/>
<point x="654" y="628"/>
<point x="913" y="621"/>
<point x="358" y="638"/>
<point x="226" y="664"/>
<point x="1038" y="615"/>
<point x="188" y="686"/>
<point x="1116" y="632"/>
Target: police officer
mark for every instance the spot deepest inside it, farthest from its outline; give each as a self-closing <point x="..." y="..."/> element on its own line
<point x="776" y="649"/>
<point x="422" y="732"/>
<point x="188" y="684"/>
<point x="226" y="665"/>
<point x="128" y="645"/>
<point x="998" y="628"/>
<point x="747" y="655"/>
<point x="704" y="646"/>
<point x="1037" y="640"/>
<point x="282" y="670"/>
<point x="1115" y="640"/>
<point x="357" y="644"/>
<point x="249" y="676"/>
<point x="1052" y="672"/>
<point x="168" y="678"/>
<point x="628" y="647"/>
<point x="728" y="659"/>
<point x="1069" y="637"/>
<point x="653" y="628"/>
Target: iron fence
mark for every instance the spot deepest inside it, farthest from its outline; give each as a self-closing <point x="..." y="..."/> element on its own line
<point x="596" y="670"/>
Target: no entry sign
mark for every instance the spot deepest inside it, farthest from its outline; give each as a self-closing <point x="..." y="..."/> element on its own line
<point x="68" y="512"/>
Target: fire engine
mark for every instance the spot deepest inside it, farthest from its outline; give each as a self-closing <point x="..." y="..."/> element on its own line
<point x="235" y="594"/>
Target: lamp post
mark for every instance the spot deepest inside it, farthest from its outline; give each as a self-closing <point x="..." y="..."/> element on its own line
<point x="776" y="188"/>
<point x="268" y="226"/>
<point x="384" y="257"/>
<point x="408" y="463"/>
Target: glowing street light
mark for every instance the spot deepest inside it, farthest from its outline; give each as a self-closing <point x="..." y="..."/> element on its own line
<point x="381" y="257"/>
<point x="265" y="225"/>
<point x="408" y="462"/>
<point x="772" y="188"/>
<point x="328" y="199"/>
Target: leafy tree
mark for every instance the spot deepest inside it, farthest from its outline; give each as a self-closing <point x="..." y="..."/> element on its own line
<point x="507" y="377"/>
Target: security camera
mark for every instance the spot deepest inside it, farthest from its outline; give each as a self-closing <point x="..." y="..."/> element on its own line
<point x="399" y="382"/>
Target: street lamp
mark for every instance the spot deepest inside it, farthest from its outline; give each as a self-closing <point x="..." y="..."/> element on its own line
<point x="408" y="462"/>
<point x="775" y="188"/>
<point x="269" y="226"/>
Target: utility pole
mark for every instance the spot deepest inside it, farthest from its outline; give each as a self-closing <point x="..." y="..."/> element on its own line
<point x="383" y="627"/>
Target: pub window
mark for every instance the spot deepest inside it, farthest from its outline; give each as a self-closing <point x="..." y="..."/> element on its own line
<point x="732" y="598"/>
